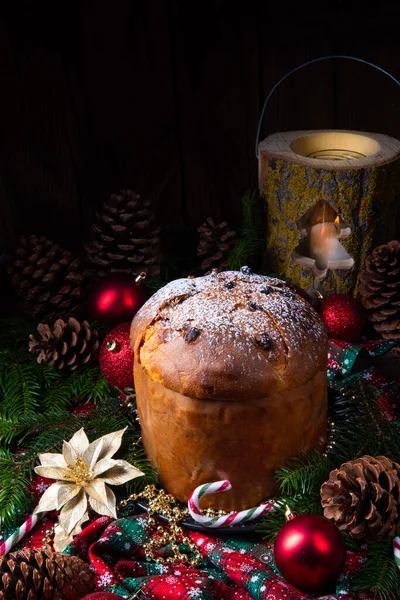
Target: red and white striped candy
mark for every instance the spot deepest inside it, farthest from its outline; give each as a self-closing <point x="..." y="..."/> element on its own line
<point x="232" y="518"/>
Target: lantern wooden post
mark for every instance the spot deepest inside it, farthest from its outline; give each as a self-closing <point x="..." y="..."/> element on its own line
<point x="357" y="173"/>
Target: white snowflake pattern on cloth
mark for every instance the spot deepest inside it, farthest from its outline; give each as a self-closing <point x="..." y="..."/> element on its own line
<point x="141" y="521"/>
<point x="228" y="551"/>
<point x="254" y="578"/>
<point x="368" y="376"/>
<point x="263" y="588"/>
<point x="127" y="546"/>
<point x="209" y="547"/>
<point x="177" y="573"/>
<point x="171" y="579"/>
<point x="104" y="580"/>
<point x="161" y="568"/>
<point x="119" y="533"/>
<point x="242" y="551"/>
<point x="194" y="592"/>
<point x="42" y="486"/>
<point x="200" y="541"/>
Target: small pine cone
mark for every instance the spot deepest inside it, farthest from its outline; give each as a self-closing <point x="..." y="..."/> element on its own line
<point x="44" y="575"/>
<point x="49" y="280"/>
<point x="124" y="237"/>
<point x="362" y="497"/>
<point x="380" y="289"/>
<point x="216" y="243"/>
<point x="70" y="345"/>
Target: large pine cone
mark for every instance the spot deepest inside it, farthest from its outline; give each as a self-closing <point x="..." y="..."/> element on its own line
<point x="70" y="345"/>
<point x="49" y="280"/>
<point x="216" y="243"/>
<point x="43" y="575"/>
<point x="380" y="289"/>
<point x="363" y="498"/>
<point x="124" y="238"/>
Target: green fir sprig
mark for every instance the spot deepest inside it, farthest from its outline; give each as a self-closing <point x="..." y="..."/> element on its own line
<point x="250" y="248"/>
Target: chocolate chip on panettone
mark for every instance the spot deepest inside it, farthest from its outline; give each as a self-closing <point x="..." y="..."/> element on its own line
<point x="265" y="290"/>
<point x="229" y="285"/>
<point x="252" y="305"/>
<point x="192" y="334"/>
<point x="264" y="341"/>
<point x="288" y="294"/>
<point x="246" y="271"/>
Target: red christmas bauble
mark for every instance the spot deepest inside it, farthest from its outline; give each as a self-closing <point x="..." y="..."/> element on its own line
<point x="343" y="317"/>
<point x="116" y="298"/>
<point x="310" y="552"/>
<point x="102" y="596"/>
<point x="116" y="357"/>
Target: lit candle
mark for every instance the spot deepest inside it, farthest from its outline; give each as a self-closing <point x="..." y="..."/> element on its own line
<point x="324" y="244"/>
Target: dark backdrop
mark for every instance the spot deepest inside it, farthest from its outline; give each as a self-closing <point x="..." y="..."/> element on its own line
<point x="163" y="97"/>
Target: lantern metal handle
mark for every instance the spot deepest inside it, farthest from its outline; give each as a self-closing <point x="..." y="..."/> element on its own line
<point x="310" y="62"/>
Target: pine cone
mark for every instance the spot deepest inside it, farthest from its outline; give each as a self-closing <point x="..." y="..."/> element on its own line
<point x="70" y="344"/>
<point x="124" y="238"/>
<point x="216" y="243"/>
<point x="363" y="498"/>
<point x="380" y="289"/>
<point x="43" y="575"/>
<point x="49" y="280"/>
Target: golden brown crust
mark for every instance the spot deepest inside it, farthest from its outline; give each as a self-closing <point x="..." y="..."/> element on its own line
<point x="229" y="336"/>
<point x="192" y="441"/>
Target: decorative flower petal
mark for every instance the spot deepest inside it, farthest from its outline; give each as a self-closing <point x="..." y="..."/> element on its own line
<point x="73" y="511"/>
<point x="48" y="501"/>
<point x="120" y="472"/>
<point x="52" y="460"/>
<point x="111" y="443"/>
<point x="70" y="454"/>
<point x="103" y="465"/>
<point x="54" y="473"/>
<point x="79" y="441"/>
<point x="97" y="489"/>
<point x="91" y="454"/>
<point x="61" y="539"/>
<point x="105" y="509"/>
<point x="66" y="492"/>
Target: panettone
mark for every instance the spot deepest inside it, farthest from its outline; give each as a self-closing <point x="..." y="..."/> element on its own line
<point x="230" y="379"/>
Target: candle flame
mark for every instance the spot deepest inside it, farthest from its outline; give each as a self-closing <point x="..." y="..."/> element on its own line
<point x="337" y="220"/>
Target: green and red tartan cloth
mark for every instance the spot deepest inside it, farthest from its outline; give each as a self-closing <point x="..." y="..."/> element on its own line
<point x="232" y="567"/>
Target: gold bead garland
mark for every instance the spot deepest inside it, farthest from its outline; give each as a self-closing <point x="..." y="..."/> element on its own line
<point x="165" y="505"/>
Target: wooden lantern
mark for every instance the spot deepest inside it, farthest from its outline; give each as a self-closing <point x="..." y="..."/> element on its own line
<point x="331" y="197"/>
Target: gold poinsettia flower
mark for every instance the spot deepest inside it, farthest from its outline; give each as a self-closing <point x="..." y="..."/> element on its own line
<point x="82" y="471"/>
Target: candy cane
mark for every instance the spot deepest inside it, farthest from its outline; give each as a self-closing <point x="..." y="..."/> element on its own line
<point x="232" y="518"/>
<point x="20" y="533"/>
<point x="396" y="550"/>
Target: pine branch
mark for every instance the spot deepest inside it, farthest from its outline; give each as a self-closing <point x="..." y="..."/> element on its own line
<point x="250" y="248"/>
<point x="305" y="474"/>
<point x="93" y="386"/>
<point x="20" y="390"/>
<point x="14" y="492"/>
<point x="379" y="574"/>
<point x="137" y="458"/>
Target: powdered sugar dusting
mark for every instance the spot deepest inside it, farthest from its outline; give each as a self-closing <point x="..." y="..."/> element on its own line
<point x="234" y="316"/>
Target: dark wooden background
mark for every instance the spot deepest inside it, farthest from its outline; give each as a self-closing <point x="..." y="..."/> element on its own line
<point x="164" y="97"/>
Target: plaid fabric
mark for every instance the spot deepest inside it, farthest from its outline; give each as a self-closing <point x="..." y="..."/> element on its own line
<point x="232" y="568"/>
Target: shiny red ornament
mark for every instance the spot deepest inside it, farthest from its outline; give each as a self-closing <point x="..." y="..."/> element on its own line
<point x="116" y="298"/>
<point x="343" y="317"/>
<point x="116" y="357"/>
<point x="310" y="552"/>
<point x="102" y="596"/>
